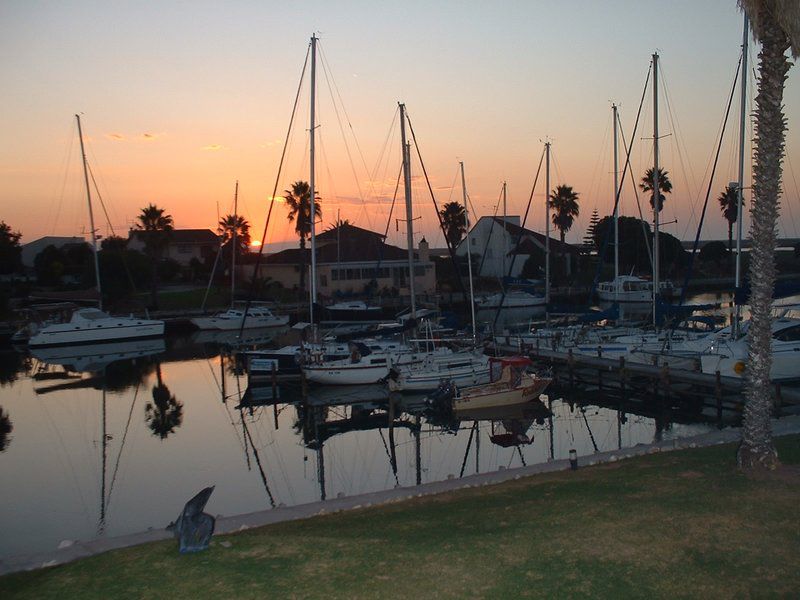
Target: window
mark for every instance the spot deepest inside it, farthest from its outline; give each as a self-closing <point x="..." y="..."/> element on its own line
<point x="323" y="280"/>
<point x="474" y="241"/>
<point x="419" y="271"/>
<point x="184" y="249"/>
<point x="334" y="274"/>
<point x="790" y="334"/>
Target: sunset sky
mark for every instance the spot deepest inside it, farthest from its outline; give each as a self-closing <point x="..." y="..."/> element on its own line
<point x="181" y="99"/>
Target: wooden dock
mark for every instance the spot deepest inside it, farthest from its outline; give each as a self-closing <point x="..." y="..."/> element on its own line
<point x="687" y="396"/>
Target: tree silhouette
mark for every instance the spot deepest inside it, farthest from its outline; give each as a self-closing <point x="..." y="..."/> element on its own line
<point x="6" y="427"/>
<point x="664" y="185"/>
<point x="728" y="204"/>
<point x="298" y="199"/>
<point x="454" y="221"/>
<point x="564" y="203"/>
<point x="226" y="228"/>
<point x="164" y="414"/>
<point x="155" y="227"/>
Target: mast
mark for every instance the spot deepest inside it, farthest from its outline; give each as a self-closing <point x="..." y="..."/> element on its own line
<point x="469" y="258"/>
<point x="656" y="190"/>
<point x="505" y="233"/>
<point x="616" y="204"/>
<point x="547" y="226"/>
<point x="409" y="210"/>
<point x="740" y="183"/>
<point x="91" y="215"/>
<point x="233" y="241"/>
<point x="311" y="181"/>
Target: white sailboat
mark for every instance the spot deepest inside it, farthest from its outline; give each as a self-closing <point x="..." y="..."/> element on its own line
<point x="91" y="325"/>
<point x="463" y="369"/>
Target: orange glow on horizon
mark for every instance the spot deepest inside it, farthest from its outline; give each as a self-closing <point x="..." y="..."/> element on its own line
<point x="255" y="243"/>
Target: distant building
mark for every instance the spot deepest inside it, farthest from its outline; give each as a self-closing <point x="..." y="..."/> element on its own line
<point x="348" y="259"/>
<point x="184" y="244"/>
<point x="32" y="249"/>
<point x="497" y="242"/>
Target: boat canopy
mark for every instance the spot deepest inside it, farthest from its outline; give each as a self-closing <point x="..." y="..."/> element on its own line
<point x="511" y="361"/>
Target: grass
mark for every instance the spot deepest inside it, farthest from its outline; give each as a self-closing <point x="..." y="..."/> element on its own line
<point x="667" y="525"/>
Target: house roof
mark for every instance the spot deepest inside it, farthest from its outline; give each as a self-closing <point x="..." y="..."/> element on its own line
<point x="347" y="230"/>
<point x="185" y="236"/>
<point x="350" y="252"/>
<point x="526" y="246"/>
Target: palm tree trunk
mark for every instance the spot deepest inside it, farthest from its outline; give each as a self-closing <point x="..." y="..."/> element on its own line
<point x="154" y="284"/>
<point x="756" y="450"/>
<point x="302" y="263"/>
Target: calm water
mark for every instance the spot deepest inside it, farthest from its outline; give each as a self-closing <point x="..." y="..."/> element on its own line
<point x="114" y="440"/>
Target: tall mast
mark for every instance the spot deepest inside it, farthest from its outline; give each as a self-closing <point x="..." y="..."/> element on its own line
<point x="505" y="233"/>
<point x="616" y="203"/>
<point x="547" y="226"/>
<point x="91" y="215"/>
<point x="311" y="181"/>
<point x="656" y="190"/>
<point x="233" y="241"/>
<point x="409" y="211"/>
<point x="469" y="259"/>
<point x="740" y="183"/>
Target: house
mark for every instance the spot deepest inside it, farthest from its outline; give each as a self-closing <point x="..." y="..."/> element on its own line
<point x="498" y="243"/>
<point x="32" y="249"/>
<point x="349" y="258"/>
<point x="183" y="245"/>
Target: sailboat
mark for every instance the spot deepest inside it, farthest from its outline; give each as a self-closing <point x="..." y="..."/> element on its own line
<point x="463" y="369"/>
<point x="239" y="315"/>
<point x="91" y="325"/>
<point x="630" y="288"/>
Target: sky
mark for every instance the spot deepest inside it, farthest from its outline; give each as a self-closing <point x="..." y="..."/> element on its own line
<point x="179" y="100"/>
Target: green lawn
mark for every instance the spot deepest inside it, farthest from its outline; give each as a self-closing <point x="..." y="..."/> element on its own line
<point x="667" y="525"/>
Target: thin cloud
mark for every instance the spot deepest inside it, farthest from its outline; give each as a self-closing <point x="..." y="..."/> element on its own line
<point x="213" y="147"/>
<point x="116" y="136"/>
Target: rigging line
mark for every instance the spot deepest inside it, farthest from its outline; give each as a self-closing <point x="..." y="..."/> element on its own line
<point x="679" y="137"/>
<point x="274" y="191"/>
<point x="451" y="249"/>
<point x="121" y="447"/>
<point x="100" y="198"/>
<point x="638" y="203"/>
<point x="626" y="169"/>
<point x="796" y="191"/>
<point x="388" y="454"/>
<point x="344" y="136"/>
<point x="519" y="237"/>
<point x="258" y="462"/>
<point x="386" y="144"/>
<point x="66" y="159"/>
<point x="708" y="189"/>
<point x="466" y="452"/>
<point x="326" y="68"/>
<point x="491" y="229"/>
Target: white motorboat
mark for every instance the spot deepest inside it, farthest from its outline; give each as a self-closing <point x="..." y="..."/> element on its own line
<point x="464" y="369"/>
<point x="512" y="299"/>
<point x="364" y="366"/>
<point x="257" y="316"/>
<point x="629" y="288"/>
<point x="729" y="356"/>
<point x="91" y="325"/>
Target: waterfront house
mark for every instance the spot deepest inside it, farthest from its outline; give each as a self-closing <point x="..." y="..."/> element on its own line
<point x="183" y="245"/>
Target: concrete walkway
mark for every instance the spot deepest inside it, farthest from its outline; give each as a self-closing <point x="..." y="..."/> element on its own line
<point x="79" y="549"/>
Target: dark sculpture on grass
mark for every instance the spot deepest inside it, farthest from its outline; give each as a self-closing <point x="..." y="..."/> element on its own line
<point x="194" y="528"/>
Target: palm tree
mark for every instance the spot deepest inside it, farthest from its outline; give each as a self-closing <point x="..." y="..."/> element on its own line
<point x="164" y="414"/>
<point x="155" y="228"/>
<point x="776" y="25"/>
<point x="6" y="427"/>
<point x="454" y="222"/>
<point x="298" y="199"/>
<point x="728" y="204"/>
<point x="664" y="185"/>
<point x="564" y="204"/>
<point x="231" y="224"/>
